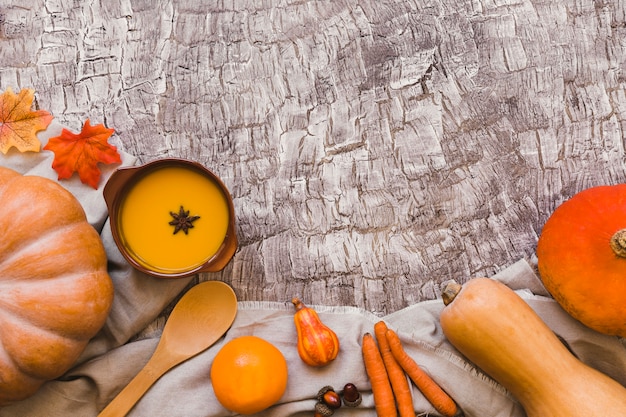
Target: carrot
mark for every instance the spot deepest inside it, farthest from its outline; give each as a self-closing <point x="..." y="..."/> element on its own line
<point x="431" y="390"/>
<point x="381" y="387"/>
<point x="397" y="377"/>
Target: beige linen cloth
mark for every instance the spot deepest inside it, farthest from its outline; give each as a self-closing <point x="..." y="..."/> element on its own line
<point x="113" y="357"/>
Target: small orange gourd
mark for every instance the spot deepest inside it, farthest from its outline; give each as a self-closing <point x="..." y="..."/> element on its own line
<point x="498" y="331"/>
<point x="581" y="256"/>
<point x="318" y="345"/>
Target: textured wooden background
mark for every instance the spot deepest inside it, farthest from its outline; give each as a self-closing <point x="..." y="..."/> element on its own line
<point x="374" y="148"/>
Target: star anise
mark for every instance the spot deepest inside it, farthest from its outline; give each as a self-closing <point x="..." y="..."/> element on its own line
<point x="182" y="220"/>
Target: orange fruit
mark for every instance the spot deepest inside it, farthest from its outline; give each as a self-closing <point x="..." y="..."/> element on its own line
<point x="249" y="374"/>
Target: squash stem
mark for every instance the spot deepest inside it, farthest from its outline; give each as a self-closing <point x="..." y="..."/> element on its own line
<point x="450" y="291"/>
<point x="618" y="243"/>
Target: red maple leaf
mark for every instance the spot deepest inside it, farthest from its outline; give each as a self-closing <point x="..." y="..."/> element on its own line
<point x="18" y="123"/>
<point x="81" y="153"/>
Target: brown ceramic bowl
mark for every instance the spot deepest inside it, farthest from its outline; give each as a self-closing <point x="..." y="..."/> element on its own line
<point x="171" y="218"/>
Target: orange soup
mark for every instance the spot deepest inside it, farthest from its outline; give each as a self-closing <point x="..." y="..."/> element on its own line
<point x="155" y="201"/>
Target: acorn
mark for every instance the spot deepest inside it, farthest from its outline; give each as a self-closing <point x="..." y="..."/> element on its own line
<point x="351" y="395"/>
<point x="332" y="399"/>
<point x="322" y="391"/>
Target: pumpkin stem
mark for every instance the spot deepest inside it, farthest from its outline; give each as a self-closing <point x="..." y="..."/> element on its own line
<point x="618" y="243"/>
<point x="450" y="291"/>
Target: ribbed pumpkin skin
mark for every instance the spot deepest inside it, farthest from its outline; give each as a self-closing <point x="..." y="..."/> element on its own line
<point x="576" y="263"/>
<point x="499" y="332"/>
<point x="55" y="291"/>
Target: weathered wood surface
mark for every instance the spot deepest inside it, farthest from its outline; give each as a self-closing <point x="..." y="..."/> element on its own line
<point x="373" y="148"/>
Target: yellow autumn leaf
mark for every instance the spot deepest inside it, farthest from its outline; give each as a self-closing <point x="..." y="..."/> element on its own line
<point x="19" y="124"/>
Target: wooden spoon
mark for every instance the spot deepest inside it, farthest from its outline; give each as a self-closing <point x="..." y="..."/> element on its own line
<point x="198" y="320"/>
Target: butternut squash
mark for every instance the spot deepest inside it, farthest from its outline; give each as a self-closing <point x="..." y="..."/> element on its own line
<point x="499" y="332"/>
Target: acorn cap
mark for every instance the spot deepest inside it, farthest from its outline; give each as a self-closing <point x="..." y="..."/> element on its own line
<point x="323" y="409"/>
<point x="354" y="403"/>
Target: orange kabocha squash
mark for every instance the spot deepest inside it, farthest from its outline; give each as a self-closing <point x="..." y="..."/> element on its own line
<point x="56" y="292"/>
<point x="318" y="345"/>
<point x="582" y="258"/>
<point x="498" y="331"/>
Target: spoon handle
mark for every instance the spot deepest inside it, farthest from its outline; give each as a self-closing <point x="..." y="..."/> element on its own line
<point x="132" y="393"/>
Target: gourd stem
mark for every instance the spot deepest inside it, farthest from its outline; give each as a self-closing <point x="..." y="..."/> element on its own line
<point x="450" y="291"/>
<point x="618" y="243"/>
<point x="298" y="304"/>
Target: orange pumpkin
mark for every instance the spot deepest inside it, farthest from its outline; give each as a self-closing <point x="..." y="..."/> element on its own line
<point x="582" y="257"/>
<point x="56" y="292"/>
